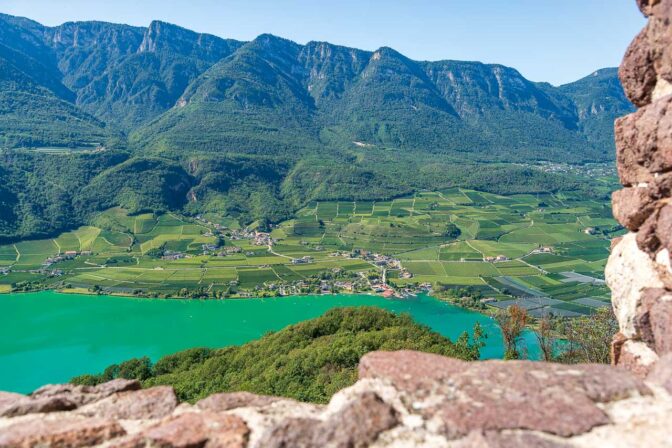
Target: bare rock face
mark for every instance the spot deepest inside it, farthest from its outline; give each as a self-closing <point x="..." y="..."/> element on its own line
<point x="226" y="401"/>
<point x="496" y="395"/>
<point x="629" y="272"/>
<point x="639" y="271"/>
<point x="636" y="71"/>
<point x="191" y="429"/>
<point x="357" y="424"/>
<point x="661" y="373"/>
<point x="155" y="402"/>
<point x="644" y="142"/>
<point x="59" y="430"/>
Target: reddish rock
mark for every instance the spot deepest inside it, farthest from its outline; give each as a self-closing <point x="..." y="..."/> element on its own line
<point x="660" y="39"/>
<point x="646" y="6"/>
<point x="631" y="206"/>
<point x="647" y="238"/>
<point x="637" y="358"/>
<point x="156" y="402"/>
<point x="642" y="319"/>
<point x="630" y="170"/>
<point x="226" y="401"/>
<point x="496" y="395"/>
<point x="357" y="424"/>
<point x="115" y="386"/>
<point x="518" y="439"/>
<point x="636" y="72"/>
<point x="191" y="429"/>
<point x="409" y="369"/>
<point x="664" y="226"/>
<point x="291" y="432"/>
<point x="81" y="395"/>
<point x="8" y="400"/>
<point x="59" y="430"/>
<point x="661" y="373"/>
<point x="644" y="142"/>
<point x="661" y="324"/>
<point x="616" y="346"/>
<point x="662" y="186"/>
<point x="656" y="232"/>
<point x="26" y="405"/>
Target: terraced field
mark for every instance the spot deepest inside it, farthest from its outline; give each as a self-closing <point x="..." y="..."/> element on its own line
<point x="541" y="251"/>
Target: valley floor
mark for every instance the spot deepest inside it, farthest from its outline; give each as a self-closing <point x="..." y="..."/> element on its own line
<point x="544" y="252"/>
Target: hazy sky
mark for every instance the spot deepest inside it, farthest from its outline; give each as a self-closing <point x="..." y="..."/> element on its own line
<point x="546" y="40"/>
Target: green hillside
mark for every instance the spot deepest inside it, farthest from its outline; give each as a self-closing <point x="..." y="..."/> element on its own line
<point x="163" y="118"/>
<point x="309" y="361"/>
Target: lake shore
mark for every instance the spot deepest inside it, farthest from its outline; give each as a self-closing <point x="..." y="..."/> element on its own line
<point x="49" y="337"/>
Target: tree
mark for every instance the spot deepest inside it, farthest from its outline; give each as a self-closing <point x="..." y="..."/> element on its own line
<point x="512" y="322"/>
<point x="589" y="337"/>
<point x="544" y="333"/>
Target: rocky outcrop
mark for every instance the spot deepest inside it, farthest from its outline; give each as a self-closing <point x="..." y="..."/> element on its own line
<point x="639" y="271"/>
<point x="402" y="399"/>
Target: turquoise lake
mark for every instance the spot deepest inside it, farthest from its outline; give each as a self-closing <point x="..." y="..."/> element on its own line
<point x="48" y="337"/>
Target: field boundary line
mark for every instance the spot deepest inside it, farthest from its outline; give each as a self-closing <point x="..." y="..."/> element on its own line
<point x="469" y="244"/>
<point x="81" y="246"/>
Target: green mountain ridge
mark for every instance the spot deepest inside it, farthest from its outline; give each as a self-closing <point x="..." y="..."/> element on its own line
<point x="173" y="119"/>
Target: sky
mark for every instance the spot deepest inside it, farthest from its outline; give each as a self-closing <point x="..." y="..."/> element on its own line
<point x="557" y="41"/>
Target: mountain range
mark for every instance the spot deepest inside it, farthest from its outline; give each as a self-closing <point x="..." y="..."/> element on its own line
<point x="179" y="119"/>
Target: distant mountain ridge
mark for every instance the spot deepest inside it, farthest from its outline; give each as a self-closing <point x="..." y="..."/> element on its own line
<point x="254" y="131"/>
<point x="127" y="80"/>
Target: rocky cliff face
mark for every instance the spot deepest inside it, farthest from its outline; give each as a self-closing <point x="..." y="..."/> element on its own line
<point x="411" y="399"/>
<point x="639" y="271"/>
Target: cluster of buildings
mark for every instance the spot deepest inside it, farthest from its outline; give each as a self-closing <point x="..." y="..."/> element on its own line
<point x="229" y="250"/>
<point x="210" y="223"/>
<point x="242" y="234"/>
<point x="262" y="239"/>
<point x="209" y="248"/>
<point x="67" y="255"/>
<point x="172" y="255"/>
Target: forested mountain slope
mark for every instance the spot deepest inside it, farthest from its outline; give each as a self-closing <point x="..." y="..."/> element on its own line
<point x="174" y="119"/>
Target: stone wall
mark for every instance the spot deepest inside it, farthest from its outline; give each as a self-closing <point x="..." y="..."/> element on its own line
<point x="639" y="270"/>
<point x="410" y="399"/>
<point x="402" y="399"/>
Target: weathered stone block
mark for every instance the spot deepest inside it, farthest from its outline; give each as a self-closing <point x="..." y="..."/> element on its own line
<point x="81" y="395"/>
<point x="644" y="142"/>
<point x="155" y="402"/>
<point x="628" y="272"/>
<point x="496" y="395"/>
<point x="636" y="72"/>
<point x="26" y="405"/>
<point x="637" y="358"/>
<point x="59" y="431"/>
<point x="357" y="424"/>
<point x="631" y="206"/>
<point x="661" y="373"/>
<point x="191" y="429"/>
<point x="225" y="401"/>
<point x="646" y="6"/>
